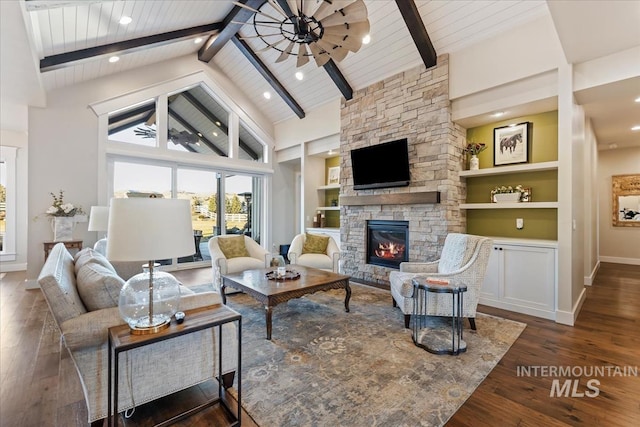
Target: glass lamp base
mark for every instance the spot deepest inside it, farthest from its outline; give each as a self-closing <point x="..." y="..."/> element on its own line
<point x="142" y="326"/>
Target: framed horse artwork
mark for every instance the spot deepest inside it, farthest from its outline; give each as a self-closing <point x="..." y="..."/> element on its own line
<point x="511" y="144"/>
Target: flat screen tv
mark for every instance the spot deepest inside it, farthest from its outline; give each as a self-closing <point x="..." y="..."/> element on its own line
<point x="381" y="166"/>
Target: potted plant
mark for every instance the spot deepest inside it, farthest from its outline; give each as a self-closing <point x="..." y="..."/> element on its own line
<point x="503" y="194"/>
<point x="63" y="217"/>
<point x="473" y="149"/>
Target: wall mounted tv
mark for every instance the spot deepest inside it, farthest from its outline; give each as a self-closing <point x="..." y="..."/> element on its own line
<point x="381" y="166"/>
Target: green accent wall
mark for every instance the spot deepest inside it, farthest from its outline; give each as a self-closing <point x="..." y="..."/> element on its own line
<point x="543" y="147"/>
<point x="332" y="218"/>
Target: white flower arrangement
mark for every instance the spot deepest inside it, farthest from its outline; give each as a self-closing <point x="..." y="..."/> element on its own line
<point x="60" y="208"/>
<point x="507" y="189"/>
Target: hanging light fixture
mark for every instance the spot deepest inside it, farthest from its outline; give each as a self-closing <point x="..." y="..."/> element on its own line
<point x="318" y="29"/>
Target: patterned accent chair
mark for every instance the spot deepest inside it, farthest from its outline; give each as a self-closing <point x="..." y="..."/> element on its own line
<point x="236" y="260"/>
<point x="303" y="252"/>
<point x="464" y="259"/>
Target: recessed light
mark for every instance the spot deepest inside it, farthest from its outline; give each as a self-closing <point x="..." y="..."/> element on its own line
<point x="215" y="133"/>
<point x="366" y="39"/>
<point x="218" y="124"/>
<point x="114" y="59"/>
<point x="267" y="95"/>
<point x="199" y="134"/>
<point x="638" y="99"/>
<point x="299" y="75"/>
<point x="198" y="40"/>
<point x="125" y="20"/>
<point x="498" y="114"/>
<point x="613" y="146"/>
<point x="636" y="127"/>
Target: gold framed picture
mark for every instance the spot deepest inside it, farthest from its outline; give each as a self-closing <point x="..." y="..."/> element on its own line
<point x="333" y="175"/>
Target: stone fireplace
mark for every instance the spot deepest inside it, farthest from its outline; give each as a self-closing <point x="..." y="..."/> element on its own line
<point x="387" y="243"/>
<point x="414" y="105"/>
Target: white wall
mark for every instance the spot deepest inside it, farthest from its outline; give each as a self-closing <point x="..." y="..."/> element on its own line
<point x="590" y="205"/>
<point x="10" y="138"/>
<point x="63" y="142"/>
<point x="617" y="244"/>
<point x="317" y="124"/>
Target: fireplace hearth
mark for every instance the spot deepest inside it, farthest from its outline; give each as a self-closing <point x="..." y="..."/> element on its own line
<point x="387" y="243"/>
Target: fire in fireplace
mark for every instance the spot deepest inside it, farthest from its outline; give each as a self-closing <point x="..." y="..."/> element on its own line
<point x="387" y="243"/>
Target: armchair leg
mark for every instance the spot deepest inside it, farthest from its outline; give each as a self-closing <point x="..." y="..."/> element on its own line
<point x="395" y="304"/>
<point x="227" y="379"/>
<point x="407" y="320"/>
<point x="472" y="322"/>
<point x="98" y="423"/>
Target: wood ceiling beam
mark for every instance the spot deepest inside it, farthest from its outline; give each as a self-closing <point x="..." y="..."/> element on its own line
<point x="268" y="75"/>
<point x="414" y="23"/>
<point x="334" y="72"/>
<point x="230" y="29"/>
<point x="69" y="59"/>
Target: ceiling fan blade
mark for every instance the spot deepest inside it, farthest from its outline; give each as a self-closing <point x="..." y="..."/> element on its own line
<point x="310" y="7"/>
<point x="286" y="53"/>
<point x="355" y="12"/>
<point x="302" y="55"/>
<point x="255" y="11"/>
<point x="327" y="8"/>
<point x="293" y="5"/>
<point x="269" y="45"/>
<point x="319" y="55"/>
<point x="351" y="43"/>
<point x="356" y="30"/>
<point x="336" y="52"/>
<point x="277" y="8"/>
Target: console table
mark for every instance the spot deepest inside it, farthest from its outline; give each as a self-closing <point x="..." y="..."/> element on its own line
<point x="214" y="316"/>
<point x="70" y="244"/>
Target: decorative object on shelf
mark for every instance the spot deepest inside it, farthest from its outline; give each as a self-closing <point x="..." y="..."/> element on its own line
<point x="320" y="30"/>
<point x="511" y="144"/>
<point x="334" y="202"/>
<point x="507" y="194"/>
<point x="149" y="229"/>
<point x="626" y="200"/>
<point x="526" y="195"/>
<point x="473" y="149"/>
<point x="62" y="215"/>
<point x="333" y="175"/>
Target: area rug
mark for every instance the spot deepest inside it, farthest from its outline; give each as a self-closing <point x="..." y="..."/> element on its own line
<point x="326" y="367"/>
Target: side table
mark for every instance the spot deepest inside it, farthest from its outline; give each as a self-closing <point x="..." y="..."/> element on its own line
<point x="437" y="340"/>
<point x="121" y="340"/>
<point x="70" y="244"/>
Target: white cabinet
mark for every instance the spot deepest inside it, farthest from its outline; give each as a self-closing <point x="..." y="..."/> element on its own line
<point x="522" y="277"/>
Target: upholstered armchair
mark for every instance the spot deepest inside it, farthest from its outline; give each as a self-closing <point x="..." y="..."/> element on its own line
<point x="464" y="259"/>
<point x="316" y="251"/>
<point x="235" y="253"/>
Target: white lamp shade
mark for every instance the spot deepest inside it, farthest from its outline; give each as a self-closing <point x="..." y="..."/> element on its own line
<point x="99" y="218"/>
<point x="149" y="229"/>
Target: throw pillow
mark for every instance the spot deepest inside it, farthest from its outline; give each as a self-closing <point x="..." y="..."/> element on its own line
<point x="87" y="255"/>
<point x="315" y="244"/>
<point x="233" y="247"/>
<point x="98" y="286"/>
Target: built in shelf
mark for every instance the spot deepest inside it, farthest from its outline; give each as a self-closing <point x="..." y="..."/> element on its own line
<point x="502" y="170"/>
<point x="516" y="205"/>
<point x="328" y="208"/>
<point x="329" y="187"/>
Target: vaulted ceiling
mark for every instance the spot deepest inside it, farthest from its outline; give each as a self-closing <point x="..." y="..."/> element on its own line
<point x="73" y="40"/>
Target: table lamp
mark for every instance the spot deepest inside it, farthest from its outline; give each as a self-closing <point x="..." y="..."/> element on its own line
<point x="149" y="229"/>
<point x="98" y="218"/>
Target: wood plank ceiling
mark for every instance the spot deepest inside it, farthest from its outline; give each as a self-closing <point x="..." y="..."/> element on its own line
<point x="60" y="27"/>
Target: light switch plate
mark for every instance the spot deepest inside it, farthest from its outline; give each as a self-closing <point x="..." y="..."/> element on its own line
<point x="519" y="223"/>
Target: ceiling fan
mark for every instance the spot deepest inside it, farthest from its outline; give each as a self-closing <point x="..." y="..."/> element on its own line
<point x="322" y="29"/>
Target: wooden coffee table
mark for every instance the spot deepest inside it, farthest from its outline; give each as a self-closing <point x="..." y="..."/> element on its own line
<point x="273" y="292"/>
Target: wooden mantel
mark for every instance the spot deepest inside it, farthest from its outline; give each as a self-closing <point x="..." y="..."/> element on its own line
<point x="424" y="197"/>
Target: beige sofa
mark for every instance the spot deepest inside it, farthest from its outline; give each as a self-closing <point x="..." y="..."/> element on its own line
<point x="147" y="373"/>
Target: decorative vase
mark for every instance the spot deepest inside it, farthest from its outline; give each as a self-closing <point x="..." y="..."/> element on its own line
<point x="63" y="228"/>
<point x="474" y="163"/>
<point x="507" y="197"/>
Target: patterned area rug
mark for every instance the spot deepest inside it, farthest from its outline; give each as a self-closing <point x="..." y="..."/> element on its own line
<point x="326" y="367"/>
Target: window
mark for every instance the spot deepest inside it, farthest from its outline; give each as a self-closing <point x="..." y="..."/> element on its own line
<point x="135" y="125"/>
<point x="8" y="203"/>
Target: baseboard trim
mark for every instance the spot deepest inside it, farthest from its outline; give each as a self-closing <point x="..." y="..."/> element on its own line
<point x="620" y="260"/>
<point x="569" y="318"/>
<point x="588" y="280"/>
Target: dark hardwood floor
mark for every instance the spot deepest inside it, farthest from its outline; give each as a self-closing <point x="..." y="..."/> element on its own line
<point x="39" y="386"/>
